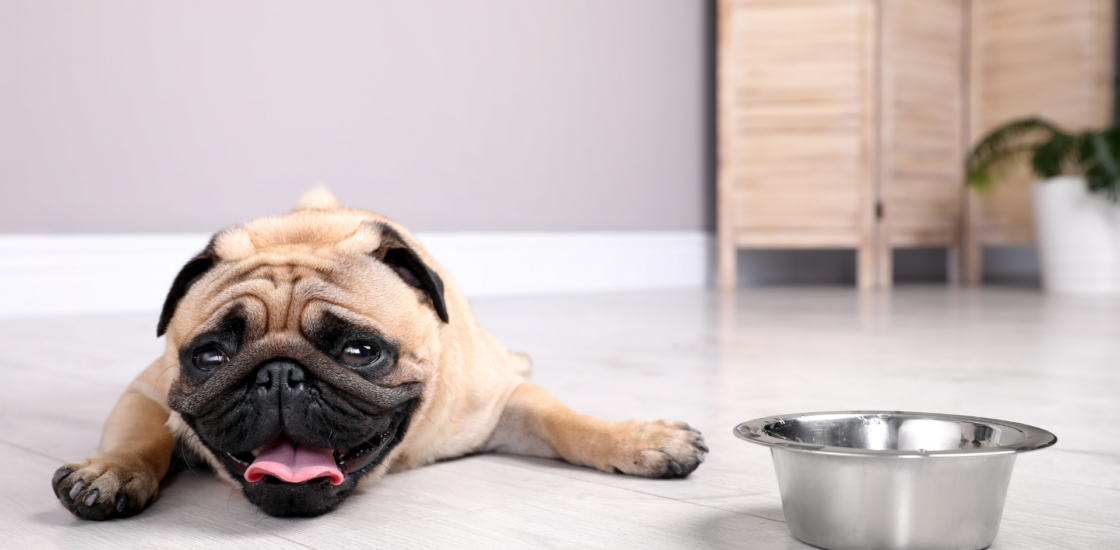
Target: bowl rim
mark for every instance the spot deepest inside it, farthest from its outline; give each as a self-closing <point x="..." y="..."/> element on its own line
<point x="754" y="431"/>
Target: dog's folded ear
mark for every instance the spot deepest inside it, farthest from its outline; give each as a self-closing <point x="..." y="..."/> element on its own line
<point x="196" y="268"/>
<point x="396" y="253"/>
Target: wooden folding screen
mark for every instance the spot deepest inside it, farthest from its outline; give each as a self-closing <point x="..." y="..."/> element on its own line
<point x="844" y="123"/>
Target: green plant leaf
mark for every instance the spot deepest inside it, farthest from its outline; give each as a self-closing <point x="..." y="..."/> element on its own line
<point x="1050" y="153"/>
<point x="1056" y="156"/>
<point x="1010" y="143"/>
<point x="1098" y="155"/>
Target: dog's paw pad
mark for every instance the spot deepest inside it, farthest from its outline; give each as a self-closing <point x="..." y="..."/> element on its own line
<point x="658" y="448"/>
<point x="102" y="487"/>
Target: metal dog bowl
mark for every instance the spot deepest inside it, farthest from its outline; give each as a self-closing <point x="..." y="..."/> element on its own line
<point x="893" y="480"/>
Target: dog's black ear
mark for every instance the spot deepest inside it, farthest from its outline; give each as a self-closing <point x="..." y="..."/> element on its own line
<point x="399" y="256"/>
<point x="187" y="276"/>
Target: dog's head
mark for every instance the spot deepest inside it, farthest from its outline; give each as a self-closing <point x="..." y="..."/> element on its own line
<point x="305" y="344"/>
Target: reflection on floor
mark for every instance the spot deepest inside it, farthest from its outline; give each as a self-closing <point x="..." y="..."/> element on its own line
<point x="708" y="359"/>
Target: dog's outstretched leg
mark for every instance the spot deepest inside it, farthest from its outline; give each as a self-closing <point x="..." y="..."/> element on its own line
<point x="536" y="423"/>
<point x="133" y="456"/>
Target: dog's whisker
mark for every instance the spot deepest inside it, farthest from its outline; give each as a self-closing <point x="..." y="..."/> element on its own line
<point x="430" y="421"/>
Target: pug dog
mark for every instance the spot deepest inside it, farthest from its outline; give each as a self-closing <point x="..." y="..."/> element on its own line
<point x="310" y="352"/>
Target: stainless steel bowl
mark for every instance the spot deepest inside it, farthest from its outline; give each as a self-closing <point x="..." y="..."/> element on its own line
<point x="893" y="480"/>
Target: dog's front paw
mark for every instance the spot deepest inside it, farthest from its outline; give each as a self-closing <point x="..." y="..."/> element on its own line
<point x="658" y="448"/>
<point x="105" y="486"/>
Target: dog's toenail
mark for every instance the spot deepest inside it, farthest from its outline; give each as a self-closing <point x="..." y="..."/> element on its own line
<point x="676" y="468"/>
<point x="122" y="501"/>
<point x="77" y="488"/>
<point x="60" y="475"/>
<point x="92" y="498"/>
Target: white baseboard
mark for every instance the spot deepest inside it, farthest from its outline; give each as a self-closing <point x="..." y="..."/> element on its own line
<point x="47" y="275"/>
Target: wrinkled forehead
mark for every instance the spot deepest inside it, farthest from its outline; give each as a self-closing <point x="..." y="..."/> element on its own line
<point x="293" y="277"/>
<point x="297" y="298"/>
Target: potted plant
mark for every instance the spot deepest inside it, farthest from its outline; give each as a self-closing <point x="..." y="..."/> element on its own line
<point x="1076" y="198"/>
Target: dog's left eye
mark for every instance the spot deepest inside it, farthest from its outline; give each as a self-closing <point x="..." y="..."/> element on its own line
<point x="359" y="355"/>
<point x="210" y="359"/>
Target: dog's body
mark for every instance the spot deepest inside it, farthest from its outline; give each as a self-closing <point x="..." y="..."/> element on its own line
<point x="310" y="351"/>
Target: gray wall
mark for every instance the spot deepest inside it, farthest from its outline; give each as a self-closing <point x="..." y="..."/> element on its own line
<point x="134" y="116"/>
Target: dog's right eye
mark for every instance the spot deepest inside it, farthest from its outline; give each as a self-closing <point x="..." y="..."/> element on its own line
<point x="210" y="359"/>
<point x="359" y="355"/>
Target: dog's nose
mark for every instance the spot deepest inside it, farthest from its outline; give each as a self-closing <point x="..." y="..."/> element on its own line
<point x="281" y="375"/>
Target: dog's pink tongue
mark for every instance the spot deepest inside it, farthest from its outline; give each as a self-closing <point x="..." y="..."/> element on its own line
<point x="286" y="462"/>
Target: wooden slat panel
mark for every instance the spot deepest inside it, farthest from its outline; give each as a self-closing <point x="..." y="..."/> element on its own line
<point x="790" y="212"/>
<point x="797" y="239"/>
<point x="918" y="215"/>
<point x="921" y="145"/>
<point x="1007" y="234"/>
<point x="792" y="110"/>
<point x="926" y="237"/>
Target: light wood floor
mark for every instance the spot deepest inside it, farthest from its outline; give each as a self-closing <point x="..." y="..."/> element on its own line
<point x="711" y="360"/>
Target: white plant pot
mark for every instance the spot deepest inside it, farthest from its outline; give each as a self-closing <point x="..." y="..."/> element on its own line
<point x="1078" y="236"/>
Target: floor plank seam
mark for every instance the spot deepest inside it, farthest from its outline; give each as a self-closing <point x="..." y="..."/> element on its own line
<point x="68" y="374"/>
<point x="31" y="451"/>
<point x="1068" y="482"/>
<point x="1115" y="456"/>
<point x="649" y="494"/>
<point x="254" y="526"/>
